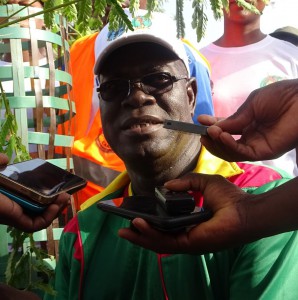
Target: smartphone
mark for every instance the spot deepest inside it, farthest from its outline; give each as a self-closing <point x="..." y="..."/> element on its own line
<point x="175" y="203"/>
<point x="37" y="182"/>
<point x="27" y="204"/>
<point x="150" y="209"/>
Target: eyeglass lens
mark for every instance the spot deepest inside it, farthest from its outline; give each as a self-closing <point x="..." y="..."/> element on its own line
<point x="153" y="84"/>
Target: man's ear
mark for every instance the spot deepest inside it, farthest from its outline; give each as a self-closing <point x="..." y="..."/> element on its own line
<point x="192" y="90"/>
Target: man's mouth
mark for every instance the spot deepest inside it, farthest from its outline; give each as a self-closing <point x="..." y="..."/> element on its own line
<point x="142" y="125"/>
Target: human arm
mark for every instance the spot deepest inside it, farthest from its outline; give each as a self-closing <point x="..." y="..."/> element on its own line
<point x="238" y="217"/>
<point x="267" y="123"/>
<point x="10" y="293"/>
<point x="13" y="214"/>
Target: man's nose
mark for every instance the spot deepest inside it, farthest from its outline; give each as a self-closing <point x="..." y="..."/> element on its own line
<point x="136" y="96"/>
<point x="135" y="84"/>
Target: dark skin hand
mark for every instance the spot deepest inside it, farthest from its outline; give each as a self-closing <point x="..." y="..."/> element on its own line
<point x="193" y="241"/>
<point x="10" y="293"/>
<point x="267" y="131"/>
<point x="238" y="217"/>
<point x="13" y="214"/>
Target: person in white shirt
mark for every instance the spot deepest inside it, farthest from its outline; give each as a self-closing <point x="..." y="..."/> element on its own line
<point x="244" y="59"/>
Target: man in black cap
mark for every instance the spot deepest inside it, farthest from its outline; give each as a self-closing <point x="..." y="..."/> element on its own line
<point x="287" y="33"/>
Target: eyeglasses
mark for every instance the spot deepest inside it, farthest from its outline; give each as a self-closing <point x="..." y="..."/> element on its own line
<point x="151" y="84"/>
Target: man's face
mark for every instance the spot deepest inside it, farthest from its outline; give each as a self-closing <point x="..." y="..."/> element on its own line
<point x="133" y="126"/>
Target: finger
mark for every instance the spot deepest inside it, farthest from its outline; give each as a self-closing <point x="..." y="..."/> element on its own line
<point x="31" y="223"/>
<point x="3" y="159"/>
<point x="149" y="238"/>
<point x="141" y="229"/>
<point x="214" y="132"/>
<point x="194" y="182"/>
<point x="14" y="215"/>
<point x="217" y="148"/>
<point x="52" y="211"/>
<point x="193" y="241"/>
<point x="211" y="186"/>
<point x="226" y="147"/>
<point x="220" y="143"/>
<point x="212" y="235"/>
<point x="236" y="123"/>
<point x="207" y="120"/>
<point x="186" y="183"/>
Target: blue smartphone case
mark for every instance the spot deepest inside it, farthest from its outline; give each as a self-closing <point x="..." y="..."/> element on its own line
<point x="22" y="201"/>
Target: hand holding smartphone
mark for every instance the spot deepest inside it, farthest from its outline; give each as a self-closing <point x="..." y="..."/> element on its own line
<point x="169" y="211"/>
<point x="36" y="183"/>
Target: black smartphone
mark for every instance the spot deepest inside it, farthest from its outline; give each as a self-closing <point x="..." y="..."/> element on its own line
<point x="151" y="210"/>
<point x="175" y="203"/>
<point x="35" y="183"/>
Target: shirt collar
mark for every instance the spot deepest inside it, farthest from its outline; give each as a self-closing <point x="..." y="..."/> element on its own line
<point x="207" y="164"/>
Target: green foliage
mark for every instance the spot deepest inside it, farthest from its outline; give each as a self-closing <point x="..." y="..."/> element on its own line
<point x="249" y="6"/>
<point x="23" y="265"/>
<point x="134" y="4"/>
<point x="85" y="16"/>
<point x="217" y="8"/>
<point x="10" y="142"/>
<point x="153" y="5"/>
<point x="49" y="17"/>
<point x="179" y="19"/>
<point x="84" y="9"/>
<point x="199" y="18"/>
<point x="117" y="17"/>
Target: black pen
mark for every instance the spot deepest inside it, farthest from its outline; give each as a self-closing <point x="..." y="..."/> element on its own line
<point x="185" y="127"/>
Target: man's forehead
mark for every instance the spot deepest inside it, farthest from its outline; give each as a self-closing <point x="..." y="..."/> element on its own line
<point x="158" y="29"/>
<point x="141" y="55"/>
<point x="136" y="71"/>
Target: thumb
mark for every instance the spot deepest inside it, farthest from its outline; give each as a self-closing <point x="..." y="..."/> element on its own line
<point x="195" y="182"/>
<point x="217" y="191"/>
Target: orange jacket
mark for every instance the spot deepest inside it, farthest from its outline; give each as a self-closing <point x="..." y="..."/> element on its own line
<point x="93" y="158"/>
<point x="82" y="60"/>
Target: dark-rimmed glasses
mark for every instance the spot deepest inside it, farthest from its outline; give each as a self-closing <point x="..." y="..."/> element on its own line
<point x="151" y="84"/>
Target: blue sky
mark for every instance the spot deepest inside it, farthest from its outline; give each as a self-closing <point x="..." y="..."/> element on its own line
<point x="277" y="14"/>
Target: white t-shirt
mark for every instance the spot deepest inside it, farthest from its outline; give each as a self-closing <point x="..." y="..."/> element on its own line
<point x="237" y="71"/>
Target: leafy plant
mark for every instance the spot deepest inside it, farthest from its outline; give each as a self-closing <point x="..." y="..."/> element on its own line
<point x="10" y="142"/>
<point x="85" y="16"/>
<point x="22" y="266"/>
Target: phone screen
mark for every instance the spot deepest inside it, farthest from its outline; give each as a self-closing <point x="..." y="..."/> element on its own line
<point x="40" y="176"/>
<point x="149" y="208"/>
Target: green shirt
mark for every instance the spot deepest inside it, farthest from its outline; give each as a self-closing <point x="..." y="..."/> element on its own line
<point x="94" y="263"/>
